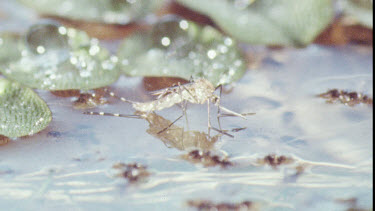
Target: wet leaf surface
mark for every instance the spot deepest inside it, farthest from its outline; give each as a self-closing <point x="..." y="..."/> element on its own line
<point x="112" y="11"/>
<point x="271" y="22"/>
<point x="179" y="48"/>
<point x="23" y="112"/>
<point x="101" y="30"/>
<point x="53" y="57"/>
<point x="359" y="11"/>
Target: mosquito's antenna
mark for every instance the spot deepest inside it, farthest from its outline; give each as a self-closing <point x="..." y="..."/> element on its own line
<point x="112" y="94"/>
<point x="114" y="115"/>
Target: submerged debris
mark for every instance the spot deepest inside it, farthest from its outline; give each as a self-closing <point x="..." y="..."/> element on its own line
<point x="66" y="93"/>
<point x="274" y="160"/>
<point x="54" y="134"/>
<point x="3" y="140"/>
<point x="85" y="100"/>
<point x="205" y="205"/>
<point x="133" y="172"/>
<point x="207" y="159"/>
<point x="90" y="100"/>
<point x="347" y="98"/>
<point x="352" y="204"/>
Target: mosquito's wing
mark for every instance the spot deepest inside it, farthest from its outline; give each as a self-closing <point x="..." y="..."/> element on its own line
<point x="163" y="92"/>
<point x="169" y="90"/>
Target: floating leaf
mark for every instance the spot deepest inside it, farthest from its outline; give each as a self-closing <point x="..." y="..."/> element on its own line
<point x="106" y="11"/>
<point x="22" y="111"/>
<point x="271" y="22"/>
<point x="360" y="11"/>
<point x="179" y="48"/>
<point x="53" y="57"/>
<point x="3" y="140"/>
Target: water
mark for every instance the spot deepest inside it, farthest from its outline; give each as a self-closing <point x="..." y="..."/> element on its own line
<point x="69" y="165"/>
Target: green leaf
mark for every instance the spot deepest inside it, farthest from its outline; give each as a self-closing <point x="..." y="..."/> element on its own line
<point x="10" y="48"/>
<point x="178" y="48"/>
<point x="22" y="111"/>
<point x="271" y="22"/>
<point x="105" y="11"/>
<point x="53" y="57"/>
<point x="360" y="11"/>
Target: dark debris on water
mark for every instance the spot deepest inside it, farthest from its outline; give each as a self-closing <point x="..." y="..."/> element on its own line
<point x="133" y="172"/>
<point x="352" y="204"/>
<point x="205" y="205"/>
<point x="207" y="159"/>
<point x="275" y="160"/>
<point x="345" y="97"/>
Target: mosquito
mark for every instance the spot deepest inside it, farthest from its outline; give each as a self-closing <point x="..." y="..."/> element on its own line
<point x="200" y="91"/>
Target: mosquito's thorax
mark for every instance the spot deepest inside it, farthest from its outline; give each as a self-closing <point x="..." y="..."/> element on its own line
<point x="202" y="90"/>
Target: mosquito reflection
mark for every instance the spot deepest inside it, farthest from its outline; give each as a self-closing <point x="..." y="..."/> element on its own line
<point x="175" y="136"/>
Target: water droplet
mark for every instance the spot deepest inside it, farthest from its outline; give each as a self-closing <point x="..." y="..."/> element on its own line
<point x="62" y="30"/>
<point x="94" y="50"/>
<point x="165" y="41"/>
<point x="40" y="50"/>
<point x="168" y="33"/>
<point x="46" y="37"/>
<point x="73" y="60"/>
<point x="184" y="24"/>
<point x="211" y="54"/>
<point x="114" y="59"/>
<point x="228" y="41"/>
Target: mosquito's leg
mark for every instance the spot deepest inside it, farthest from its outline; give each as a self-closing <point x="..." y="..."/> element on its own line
<point x="113" y="114"/>
<point x="183" y="103"/>
<point x="208" y="117"/>
<point x="185" y="114"/>
<point x="223" y="132"/>
<point x="218" y="107"/>
<point x="162" y="131"/>
<point x="191" y="95"/>
<point x="112" y="94"/>
<point x="232" y="113"/>
<point x="236" y="114"/>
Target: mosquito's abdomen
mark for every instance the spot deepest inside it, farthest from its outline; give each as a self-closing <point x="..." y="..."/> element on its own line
<point x="160" y="104"/>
